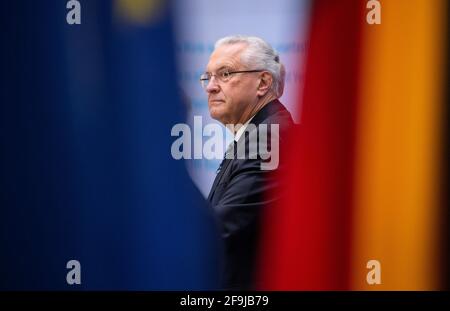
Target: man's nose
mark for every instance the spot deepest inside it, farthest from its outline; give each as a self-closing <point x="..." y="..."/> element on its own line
<point x="213" y="86"/>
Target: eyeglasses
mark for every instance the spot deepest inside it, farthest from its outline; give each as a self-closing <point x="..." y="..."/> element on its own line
<point x="223" y="76"/>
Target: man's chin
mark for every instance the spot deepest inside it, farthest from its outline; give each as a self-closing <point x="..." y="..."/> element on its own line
<point x="216" y="114"/>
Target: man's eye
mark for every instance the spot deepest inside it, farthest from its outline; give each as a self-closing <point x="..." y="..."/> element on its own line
<point x="225" y="74"/>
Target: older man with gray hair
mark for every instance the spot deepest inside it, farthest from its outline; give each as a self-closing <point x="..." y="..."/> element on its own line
<point x="243" y="80"/>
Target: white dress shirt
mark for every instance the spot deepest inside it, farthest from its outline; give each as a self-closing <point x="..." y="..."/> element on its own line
<point x="241" y="130"/>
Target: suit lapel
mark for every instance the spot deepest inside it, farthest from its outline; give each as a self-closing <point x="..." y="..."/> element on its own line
<point x="269" y="109"/>
<point x="223" y="167"/>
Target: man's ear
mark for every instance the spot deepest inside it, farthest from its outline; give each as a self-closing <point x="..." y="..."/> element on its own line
<point x="265" y="84"/>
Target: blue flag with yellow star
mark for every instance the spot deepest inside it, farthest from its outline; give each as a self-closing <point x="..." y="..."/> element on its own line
<point x="86" y="172"/>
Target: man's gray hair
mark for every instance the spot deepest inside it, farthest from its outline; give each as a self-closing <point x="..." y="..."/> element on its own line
<point x="259" y="55"/>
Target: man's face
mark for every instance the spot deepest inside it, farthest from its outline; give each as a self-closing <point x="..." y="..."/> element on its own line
<point x="229" y="101"/>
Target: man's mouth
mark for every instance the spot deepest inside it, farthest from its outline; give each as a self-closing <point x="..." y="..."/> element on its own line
<point x="216" y="101"/>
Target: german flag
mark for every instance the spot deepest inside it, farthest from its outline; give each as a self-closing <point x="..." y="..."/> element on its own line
<point x="364" y="204"/>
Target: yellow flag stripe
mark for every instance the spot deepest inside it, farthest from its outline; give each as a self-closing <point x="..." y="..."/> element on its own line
<point x="396" y="200"/>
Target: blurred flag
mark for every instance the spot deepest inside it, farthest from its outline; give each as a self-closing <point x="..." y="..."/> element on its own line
<point x="86" y="169"/>
<point x="365" y="164"/>
<point x="306" y="243"/>
<point x="399" y="162"/>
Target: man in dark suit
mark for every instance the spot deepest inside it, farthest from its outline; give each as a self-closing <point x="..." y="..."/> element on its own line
<point x="244" y="79"/>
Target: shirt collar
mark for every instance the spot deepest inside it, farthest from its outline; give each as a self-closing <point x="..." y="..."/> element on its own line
<point x="241" y="130"/>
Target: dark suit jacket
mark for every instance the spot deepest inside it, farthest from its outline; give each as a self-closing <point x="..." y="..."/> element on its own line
<point x="239" y="195"/>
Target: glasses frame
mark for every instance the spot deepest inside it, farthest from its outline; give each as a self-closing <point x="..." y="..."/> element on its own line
<point x="205" y="82"/>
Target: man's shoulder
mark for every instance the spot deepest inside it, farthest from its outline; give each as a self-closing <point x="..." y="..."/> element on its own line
<point x="283" y="118"/>
<point x="276" y="116"/>
<point x="274" y="113"/>
<point x="262" y="139"/>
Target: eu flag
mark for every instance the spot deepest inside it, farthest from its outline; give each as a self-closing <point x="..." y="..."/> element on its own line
<point x="86" y="171"/>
